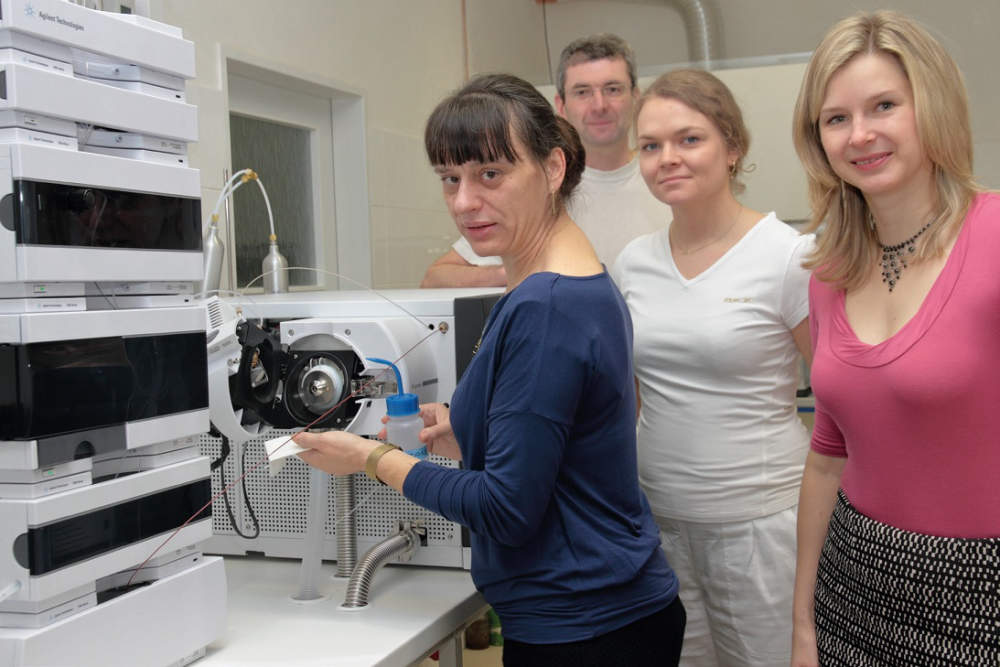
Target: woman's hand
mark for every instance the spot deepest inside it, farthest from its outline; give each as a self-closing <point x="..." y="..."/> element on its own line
<point x="804" y="653"/>
<point x="336" y="452"/>
<point x="437" y="433"/>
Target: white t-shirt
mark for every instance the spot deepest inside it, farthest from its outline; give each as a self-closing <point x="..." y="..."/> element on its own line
<point x="719" y="435"/>
<point x="611" y="207"/>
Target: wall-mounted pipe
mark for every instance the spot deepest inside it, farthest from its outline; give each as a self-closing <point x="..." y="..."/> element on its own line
<point x="359" y="585"/>
<point x="700" y="31"/>
<point x="698" y="26"/>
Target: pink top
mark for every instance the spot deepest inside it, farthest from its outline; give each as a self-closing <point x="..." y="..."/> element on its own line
<point x="916" y="415"/>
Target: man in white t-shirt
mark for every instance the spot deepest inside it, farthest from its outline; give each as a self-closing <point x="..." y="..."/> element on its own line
<point x="596" y="93"/>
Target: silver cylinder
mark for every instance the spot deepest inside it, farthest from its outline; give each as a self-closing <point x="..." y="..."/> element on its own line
<point x="359" y="586"/>
<point x="275" y="270"/>
<point x="347" y="526"/>
<point x="213" y="252"/>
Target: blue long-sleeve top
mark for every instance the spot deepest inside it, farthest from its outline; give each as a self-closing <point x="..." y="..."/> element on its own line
<point x="563" y="542"/>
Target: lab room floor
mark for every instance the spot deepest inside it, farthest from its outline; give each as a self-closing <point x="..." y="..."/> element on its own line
<point x="488" y="657"/>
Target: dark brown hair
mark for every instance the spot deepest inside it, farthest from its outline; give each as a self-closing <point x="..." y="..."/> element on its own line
<point x="474" y="125"/>
<point x="594" y="47"/>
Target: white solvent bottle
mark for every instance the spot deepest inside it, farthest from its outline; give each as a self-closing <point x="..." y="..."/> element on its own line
<point x="404" y="425"/>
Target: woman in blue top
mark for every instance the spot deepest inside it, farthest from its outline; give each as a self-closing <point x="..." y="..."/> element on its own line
<point x="563" y="543"/>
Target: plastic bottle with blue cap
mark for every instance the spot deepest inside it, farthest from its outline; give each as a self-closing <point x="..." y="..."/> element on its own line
<point x="404" y="425"/>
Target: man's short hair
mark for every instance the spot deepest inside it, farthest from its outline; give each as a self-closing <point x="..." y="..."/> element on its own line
<point x="594" y="47"/>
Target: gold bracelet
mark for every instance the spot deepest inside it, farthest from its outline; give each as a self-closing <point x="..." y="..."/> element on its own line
<point x="371" y="463"/>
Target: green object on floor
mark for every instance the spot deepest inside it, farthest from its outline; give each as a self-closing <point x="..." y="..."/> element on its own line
<point x="496" y="637"/>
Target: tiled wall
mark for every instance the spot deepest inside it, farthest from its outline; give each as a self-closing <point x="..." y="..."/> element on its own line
<point x="410" y="225"/>
<point x="743" y="29"/>
<point x="403" y="57"/>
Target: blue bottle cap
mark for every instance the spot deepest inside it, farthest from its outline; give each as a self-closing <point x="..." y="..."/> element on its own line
<point x="402" y="405"/>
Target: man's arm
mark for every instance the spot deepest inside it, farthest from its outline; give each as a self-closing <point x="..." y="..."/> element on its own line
<point x="453" y="270"/>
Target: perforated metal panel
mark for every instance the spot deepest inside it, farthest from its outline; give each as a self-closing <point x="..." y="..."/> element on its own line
<point x="281" y="503"/>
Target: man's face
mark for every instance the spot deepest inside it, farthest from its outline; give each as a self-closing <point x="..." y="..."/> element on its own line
<point x="599" y="101"/>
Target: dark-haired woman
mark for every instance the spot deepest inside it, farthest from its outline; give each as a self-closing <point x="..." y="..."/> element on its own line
<point x="564" y="545"/>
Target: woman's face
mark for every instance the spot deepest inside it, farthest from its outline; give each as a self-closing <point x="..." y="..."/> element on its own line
<point x="500" y="206"/>
<point x="683" y="156"/>
<point x="868" y="127"/>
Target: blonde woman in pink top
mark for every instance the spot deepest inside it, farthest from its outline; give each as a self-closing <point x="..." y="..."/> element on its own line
<point x="899" y="514"/>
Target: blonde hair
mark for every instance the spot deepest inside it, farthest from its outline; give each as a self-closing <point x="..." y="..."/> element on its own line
<point x="848" y="247"/>
<point x="707" y="95"/>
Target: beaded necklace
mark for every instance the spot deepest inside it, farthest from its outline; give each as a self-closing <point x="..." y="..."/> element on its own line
<point x="894" y="257"/>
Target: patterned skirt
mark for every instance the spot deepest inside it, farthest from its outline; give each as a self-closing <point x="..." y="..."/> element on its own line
<point x="886" y="596"/>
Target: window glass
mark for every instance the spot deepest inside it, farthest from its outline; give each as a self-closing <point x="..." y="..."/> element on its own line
<point x="280" y="154"/>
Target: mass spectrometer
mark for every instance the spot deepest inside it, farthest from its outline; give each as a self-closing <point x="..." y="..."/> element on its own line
<point x="280" y="362"/>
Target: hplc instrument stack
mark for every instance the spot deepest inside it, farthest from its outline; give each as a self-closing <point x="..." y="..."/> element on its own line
<point x="103" y="371"/>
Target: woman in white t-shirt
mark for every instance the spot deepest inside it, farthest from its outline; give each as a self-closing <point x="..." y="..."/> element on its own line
<point x="719" y="304"/>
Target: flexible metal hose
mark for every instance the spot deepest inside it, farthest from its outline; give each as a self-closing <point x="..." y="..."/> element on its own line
<point x="359" y="585"/>
<point x="347" y="525"/>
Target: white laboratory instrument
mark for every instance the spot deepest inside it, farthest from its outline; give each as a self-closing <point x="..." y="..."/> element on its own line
<point x="303" y="353"/>
<point x="94" y="186"/>
<point x="103" y="389"/>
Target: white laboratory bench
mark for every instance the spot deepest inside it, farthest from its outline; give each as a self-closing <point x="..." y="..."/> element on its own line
<point x="412" y="611"/>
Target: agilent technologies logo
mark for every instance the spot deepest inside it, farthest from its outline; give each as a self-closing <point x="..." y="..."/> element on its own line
<point x="29" y="11"/>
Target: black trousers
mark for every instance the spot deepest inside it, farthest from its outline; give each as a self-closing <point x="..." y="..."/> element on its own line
<point x="653" y="640"/>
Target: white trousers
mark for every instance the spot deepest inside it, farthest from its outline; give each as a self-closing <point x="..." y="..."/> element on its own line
<point x="736" y="582"/>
